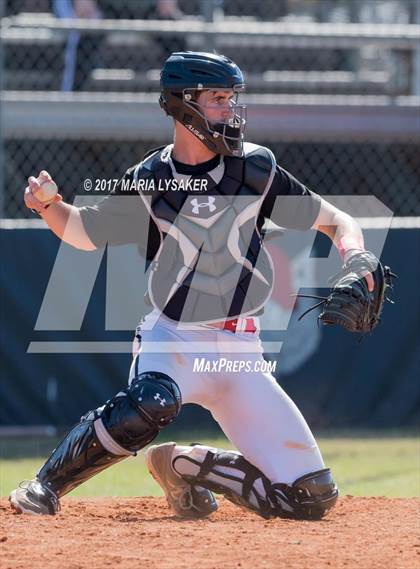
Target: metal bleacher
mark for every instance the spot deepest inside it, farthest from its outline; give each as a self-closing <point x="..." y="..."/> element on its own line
<point x="285" y="57"/>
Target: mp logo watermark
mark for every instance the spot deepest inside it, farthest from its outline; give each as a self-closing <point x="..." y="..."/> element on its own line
<point x="209" y="254"/>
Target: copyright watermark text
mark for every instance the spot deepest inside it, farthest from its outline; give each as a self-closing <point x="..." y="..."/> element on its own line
<point x="148" y="185"/>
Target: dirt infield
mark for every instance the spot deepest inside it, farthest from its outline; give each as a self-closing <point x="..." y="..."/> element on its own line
<point x="137" y="533"/>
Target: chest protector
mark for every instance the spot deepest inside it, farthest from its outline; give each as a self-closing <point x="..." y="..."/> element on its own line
<point x="211" y="263"/>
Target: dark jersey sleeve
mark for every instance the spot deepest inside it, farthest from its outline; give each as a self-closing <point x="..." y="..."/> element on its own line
<point x="119" y="218"/>
<point x="289" y="203"/>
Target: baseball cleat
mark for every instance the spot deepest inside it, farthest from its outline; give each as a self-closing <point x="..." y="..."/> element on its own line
<point x="32" y="497"/>
<point x="187" y="501"/>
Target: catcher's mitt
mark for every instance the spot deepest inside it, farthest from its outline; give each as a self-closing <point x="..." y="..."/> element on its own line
<point x="350" y="304"/>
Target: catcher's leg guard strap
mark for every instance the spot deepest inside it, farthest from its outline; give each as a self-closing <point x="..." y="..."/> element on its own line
<point x="230" y="474"/>
<point x="227" y="473"/>
<point x="124" y="425"/>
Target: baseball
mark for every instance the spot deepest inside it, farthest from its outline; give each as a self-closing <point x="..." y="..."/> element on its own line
<point x="47" y="191"/>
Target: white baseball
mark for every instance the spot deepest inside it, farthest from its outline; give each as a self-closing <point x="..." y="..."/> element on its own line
<point x="47" y="191"/>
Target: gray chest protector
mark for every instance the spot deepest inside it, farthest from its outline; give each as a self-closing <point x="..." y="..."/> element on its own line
<point x="211" y="263"/>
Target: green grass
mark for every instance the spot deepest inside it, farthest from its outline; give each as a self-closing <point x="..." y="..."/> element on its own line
<point x="385" y="465"/>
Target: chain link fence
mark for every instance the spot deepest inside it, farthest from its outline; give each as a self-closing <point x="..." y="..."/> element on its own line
<point x="390" y="172"/>
<point x="310" y="48"/>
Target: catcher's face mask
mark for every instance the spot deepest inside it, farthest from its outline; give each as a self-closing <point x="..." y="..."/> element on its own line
<point x="220" y="119"/>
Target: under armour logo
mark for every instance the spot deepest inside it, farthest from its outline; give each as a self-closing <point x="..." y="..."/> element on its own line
<point x="161" y="400"/>
<point x="209" y="204"/>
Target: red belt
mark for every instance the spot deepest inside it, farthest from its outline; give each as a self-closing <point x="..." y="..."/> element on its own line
<point x="232" y="325"/>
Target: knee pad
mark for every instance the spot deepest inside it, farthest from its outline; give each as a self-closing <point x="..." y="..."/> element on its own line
<point x="310" y="496"/>
<point x="124" y="425"/>
<point x="134" y="417"/>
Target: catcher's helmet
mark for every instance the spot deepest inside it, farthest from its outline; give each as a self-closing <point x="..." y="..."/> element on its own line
<point x="184" y="74"/>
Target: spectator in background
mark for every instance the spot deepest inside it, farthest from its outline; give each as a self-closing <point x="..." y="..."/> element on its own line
<point x="141" y="9"/>
<point x="149" y="10"/>
<point x="81" y="50"/>
<point x="169" y="10"/>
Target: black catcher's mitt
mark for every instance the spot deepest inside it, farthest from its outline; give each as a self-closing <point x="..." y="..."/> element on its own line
<point x="350" y="304"/>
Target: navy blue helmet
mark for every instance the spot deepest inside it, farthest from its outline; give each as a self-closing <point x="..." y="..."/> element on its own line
<point x="183" y="77"/>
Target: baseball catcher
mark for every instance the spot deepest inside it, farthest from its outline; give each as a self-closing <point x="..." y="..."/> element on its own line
<point x="210" y="277"/>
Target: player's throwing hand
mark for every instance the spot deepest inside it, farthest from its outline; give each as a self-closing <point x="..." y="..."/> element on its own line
<point x="41" y="192"/>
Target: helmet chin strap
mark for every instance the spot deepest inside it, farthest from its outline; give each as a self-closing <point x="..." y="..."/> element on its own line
<point x="187" y="144"/>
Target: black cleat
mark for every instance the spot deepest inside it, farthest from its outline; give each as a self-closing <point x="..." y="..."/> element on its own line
<point x="32" y="497"/>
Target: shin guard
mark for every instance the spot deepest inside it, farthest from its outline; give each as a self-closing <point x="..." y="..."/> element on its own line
<point x="230" y="474"/>
<point x="125" y="424"/>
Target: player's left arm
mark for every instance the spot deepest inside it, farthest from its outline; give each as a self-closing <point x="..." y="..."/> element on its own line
<point x="290" y="204"/>
<point x="344" y="232"/>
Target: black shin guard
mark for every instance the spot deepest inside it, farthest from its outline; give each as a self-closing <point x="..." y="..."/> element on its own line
<point x="230" y="474"/>
<point x="124" y="425"/>
<point x="77" y="458"/>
